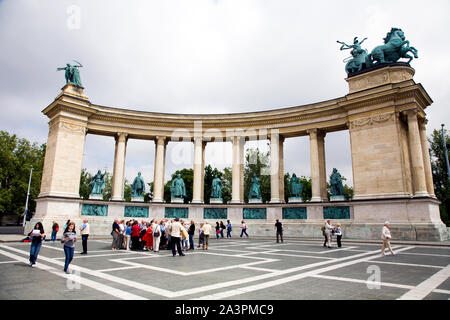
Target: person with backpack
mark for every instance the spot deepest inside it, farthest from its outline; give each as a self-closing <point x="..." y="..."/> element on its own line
<point x="328" y="231"/>
<point x="156" y="235"/>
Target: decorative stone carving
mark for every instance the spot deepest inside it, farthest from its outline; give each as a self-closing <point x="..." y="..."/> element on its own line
<point x="372" y="120"/>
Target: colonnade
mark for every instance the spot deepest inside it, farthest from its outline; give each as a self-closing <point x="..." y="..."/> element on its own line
<point x="421" y="184"/>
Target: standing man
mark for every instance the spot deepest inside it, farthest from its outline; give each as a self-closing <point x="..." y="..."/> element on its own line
<point x="191" y="233"/>
<point x="175" y="235"/>
<point x="229" y="228"/>
<point x="279" y="227"/>
<point x="206" y="232"/>
<point x="84" y="235"/>
<point x="328" y="230"/>
<point x="115" y="234"/>
<point x="386" y="236"/>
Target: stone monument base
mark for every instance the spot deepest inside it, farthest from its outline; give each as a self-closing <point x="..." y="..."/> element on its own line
<point x="176" y="200"/>
<point x="215" y="201"/>
<point x="96" y="197"/>
<point x="410" y="219"/>
<point x="254" y="201"/>
<point x="337" y="198"/>
<point x="295" y="199"/>
<point x="137" y="199"/>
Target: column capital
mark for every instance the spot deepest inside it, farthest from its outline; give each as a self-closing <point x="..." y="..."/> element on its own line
<point x="411" y="113"/>
<point x="161" y="140"/>
<point x="316" y="132"/>
<point x="121" y="136"/>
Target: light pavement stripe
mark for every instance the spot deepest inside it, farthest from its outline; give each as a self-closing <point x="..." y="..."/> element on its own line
<point x="83" y="281"/>
<point x="423" y="289"/>
<point x="410" y="264"/>
<point x="265" y="285"/>
<point x="366" y="282"/>
<point x="129" y="283"/>
<point x="241" y="282"/>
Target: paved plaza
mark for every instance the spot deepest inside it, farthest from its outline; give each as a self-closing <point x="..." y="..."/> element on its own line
<point x="232" y="269"/>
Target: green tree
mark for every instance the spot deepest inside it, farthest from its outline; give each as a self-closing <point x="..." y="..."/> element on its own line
<point x="85" y="179"/>
<point x="439" y="169"/>
<point x="188" y="178"/>
<point x="306" y="182"/>
<point x="226" y="184"/>
<point x="210" y="173"/>
<point x="257" y="163"/>
<point x="16" y="158"/>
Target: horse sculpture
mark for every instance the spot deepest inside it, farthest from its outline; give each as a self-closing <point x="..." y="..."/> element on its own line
<point x="393" y="48"/>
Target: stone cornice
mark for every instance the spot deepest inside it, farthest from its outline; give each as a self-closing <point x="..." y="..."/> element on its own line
<point x="328" y="115"/>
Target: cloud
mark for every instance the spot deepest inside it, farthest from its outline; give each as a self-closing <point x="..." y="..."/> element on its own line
<point x="205" y="56"/>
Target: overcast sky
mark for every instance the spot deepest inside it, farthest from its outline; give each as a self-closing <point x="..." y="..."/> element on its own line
<point x="205" y="56"/>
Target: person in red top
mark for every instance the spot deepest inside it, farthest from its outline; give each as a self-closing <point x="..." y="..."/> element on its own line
<point x="135" y="234"/>
<point x="148" y="238"/>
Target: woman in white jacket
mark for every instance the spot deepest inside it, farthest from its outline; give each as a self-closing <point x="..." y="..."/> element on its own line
<point x="386" y="236"/>
<point x="156" y="235"/>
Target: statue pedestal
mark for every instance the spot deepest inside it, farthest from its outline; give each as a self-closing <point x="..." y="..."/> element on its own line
<point x="137" y="199"/>
<point x="337" y="198"/>
<point x="254" y="201"/>
<point x="95" y="197"/>
<point x="73" y="90"/>
<point x="215" y="201"/>
<point x="295" y="199"/>
<point x="177" y="200"/>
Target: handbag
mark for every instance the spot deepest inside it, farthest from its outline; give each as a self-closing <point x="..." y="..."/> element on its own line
<point x="156" y="233"/>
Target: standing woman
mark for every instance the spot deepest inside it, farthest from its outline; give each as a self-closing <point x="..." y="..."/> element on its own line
<point x="69" y="238"/>
<point x="244" y="229"/>
<point x="217" y="230"/>
<point x="156" y="236"/>
<point x="36" y="241"/>
<point x="222" y="227"/>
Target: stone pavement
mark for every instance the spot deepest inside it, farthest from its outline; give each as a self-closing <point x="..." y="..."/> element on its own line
<point x="232" y="269"/>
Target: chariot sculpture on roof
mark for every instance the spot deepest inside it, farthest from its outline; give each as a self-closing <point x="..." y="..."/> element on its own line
<point x="395" y="47"/>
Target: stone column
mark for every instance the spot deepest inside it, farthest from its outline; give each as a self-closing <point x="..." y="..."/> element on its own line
<point x="199" y="153"/>
<point x="274" y="168"/>
<point x="158" y="177"/>
<point x="63" y="157"/>
<point x="281" y="166"/>
<point x="119" y="167"/>
<point x="237" y="176"/>
<point x="322" y="165"/>
<point x="415" y="147"/>
<point x="315" y="166"/>
<point x="426" y="158"/>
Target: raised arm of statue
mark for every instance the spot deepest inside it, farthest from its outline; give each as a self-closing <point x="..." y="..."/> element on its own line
<point x="344" y="45"/>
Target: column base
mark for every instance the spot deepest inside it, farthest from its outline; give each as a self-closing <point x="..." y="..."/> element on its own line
<point x="421" y="194"/>
<point x="316" y="199"/>
<point x="196" y="201"/>
<point x="275" y="201"/>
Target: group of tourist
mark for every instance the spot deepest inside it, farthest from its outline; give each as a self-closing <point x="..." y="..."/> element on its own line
<point x="328" y="231"/>
<point x="175" y="234"/>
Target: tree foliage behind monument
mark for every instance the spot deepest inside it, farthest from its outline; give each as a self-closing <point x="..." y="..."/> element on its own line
<point x="16" y="158"/>
<point x="439" y="169"/>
